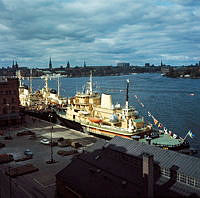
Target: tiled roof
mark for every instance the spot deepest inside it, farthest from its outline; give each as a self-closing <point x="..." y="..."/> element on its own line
<point x="104" y="171"/>
<point x="188" y="165"/>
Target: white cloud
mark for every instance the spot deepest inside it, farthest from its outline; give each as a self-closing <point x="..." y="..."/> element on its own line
<point x="99" y="32"/>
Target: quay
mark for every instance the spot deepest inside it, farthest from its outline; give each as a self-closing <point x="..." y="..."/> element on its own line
<point x="41" y="183"/>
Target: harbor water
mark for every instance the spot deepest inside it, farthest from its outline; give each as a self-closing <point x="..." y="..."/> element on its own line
<point x="174" y="102"/>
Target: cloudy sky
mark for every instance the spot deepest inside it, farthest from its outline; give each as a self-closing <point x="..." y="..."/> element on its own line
<point x="101" y="32"/>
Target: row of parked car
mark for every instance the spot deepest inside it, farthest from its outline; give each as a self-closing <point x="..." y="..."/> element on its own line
<point x="61" y="142"/>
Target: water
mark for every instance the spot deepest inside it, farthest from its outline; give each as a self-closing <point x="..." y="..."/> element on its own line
<point x="173" y="102"/>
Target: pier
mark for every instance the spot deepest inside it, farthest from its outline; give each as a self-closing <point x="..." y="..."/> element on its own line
<point x="42" y="182"/>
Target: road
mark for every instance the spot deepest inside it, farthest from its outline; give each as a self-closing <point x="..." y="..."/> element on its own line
<point x="38" y="184"/>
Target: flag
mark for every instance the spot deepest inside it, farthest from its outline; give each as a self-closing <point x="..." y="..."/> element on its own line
<point x="155" y="121"/>
<point x="165" y="130"/>
<point x="149" y="114"/>
<point x="190" y="134"/>
<point x="160" y="125"/>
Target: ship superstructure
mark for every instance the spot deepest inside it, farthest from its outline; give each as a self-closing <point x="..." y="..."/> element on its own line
<point x="89" y="111"/>
<point x="40" y="99"/>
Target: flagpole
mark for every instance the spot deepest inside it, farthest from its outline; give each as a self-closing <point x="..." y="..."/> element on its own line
<point x="186" y="135"/>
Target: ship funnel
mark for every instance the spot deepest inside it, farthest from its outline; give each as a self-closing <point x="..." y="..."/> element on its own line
<point x="106" y="101"/>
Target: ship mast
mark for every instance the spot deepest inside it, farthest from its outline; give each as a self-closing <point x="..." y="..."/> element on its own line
<point x="31" y="72"/>
<point x="58" y="85"/>
<point x="19" y="77"/>
<point x="46" y="83"/>
<point x="127" y="93"/>
<point x="90" y="84"/>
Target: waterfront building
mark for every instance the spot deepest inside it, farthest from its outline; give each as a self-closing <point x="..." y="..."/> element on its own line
<point x="84" y="64"/>
<point x="50" y="64"/>
<point x="128" y="168"/>
<point x="68" y="65"/>
<point x="9" y="101"/>
<point x="147" y="65"/>
<point x="15" y="65"/>
<point x="123" y="64"/>
<point x="161" y="64"/>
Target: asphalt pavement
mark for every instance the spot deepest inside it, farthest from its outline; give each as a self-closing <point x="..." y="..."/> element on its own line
<point x="40" y="183"/>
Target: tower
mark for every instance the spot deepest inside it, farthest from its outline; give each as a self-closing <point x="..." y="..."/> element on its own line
<point x="84" y="64"/>
<point x="50" y="64"/>
<point x="16" y="65"/>
<point x="13" y="65"/>
<point x="68" y="65"/>
<point x="161" y="64"/>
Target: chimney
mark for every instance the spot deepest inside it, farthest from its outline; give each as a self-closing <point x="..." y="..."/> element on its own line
<point x="148" y="174"/>
<point x="106" y="101"/>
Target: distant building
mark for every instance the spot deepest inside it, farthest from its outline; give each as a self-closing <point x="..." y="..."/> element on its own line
<point x="123" y="64"/>
<point x="161" y="64"/>
<point x="147" y="65"/>
<point x="50" y="64"/>
<point x="128" y="168"/>
<point x="15" y="65"/>
<point x="84" y="64"/>
<point x="68" y="65"/>
<point x="9" y="101"/>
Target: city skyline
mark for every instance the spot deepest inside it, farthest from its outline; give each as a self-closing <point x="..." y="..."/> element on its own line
<point x="99" y="32"/>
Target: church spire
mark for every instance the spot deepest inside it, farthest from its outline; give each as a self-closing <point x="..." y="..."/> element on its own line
<point x="161" y="64"/>
<point x="50" y="64"/>
<point x="68" y="65"/>
<point x="16" y="65"/>
<point x="13" y="65"/>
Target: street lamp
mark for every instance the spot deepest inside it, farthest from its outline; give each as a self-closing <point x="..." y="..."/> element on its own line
<point x="9" y="123"/>
<point x="51" y="161"/>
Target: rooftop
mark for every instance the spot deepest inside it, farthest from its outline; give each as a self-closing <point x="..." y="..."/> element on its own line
<point x="116" y="166"/>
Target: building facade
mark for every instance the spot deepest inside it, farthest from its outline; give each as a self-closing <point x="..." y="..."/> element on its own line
<point x="127" y="168"/>
<point x="9" y="101"/>
<point x="123" y="64"/>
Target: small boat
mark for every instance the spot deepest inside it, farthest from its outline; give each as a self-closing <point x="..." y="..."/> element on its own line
<point x="94" y="119"/>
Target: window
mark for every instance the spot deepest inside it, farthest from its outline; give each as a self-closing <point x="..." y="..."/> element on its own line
<point x="182" y="178"/>
<point x="4" y="101"/>
<point x="178" y="177"/>
<point x="197" y="183"/>
<point x="165" y="172"/>
<point x="5" y="110"/>
<point x="13" y="100"/>
<point x="190" y="181"/>
<point x="13" y="109"/>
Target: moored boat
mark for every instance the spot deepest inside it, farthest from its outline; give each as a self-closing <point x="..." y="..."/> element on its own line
<point x="93" y="113"/>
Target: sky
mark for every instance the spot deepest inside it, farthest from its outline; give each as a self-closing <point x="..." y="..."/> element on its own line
<point x="99" y="32"/>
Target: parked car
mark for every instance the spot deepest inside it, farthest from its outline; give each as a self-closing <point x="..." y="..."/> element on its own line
<point x="28" y="152"/>
<point x="2" y="145"/>
<point x="65" y="153"/>
<point x="76" y="144"/>
<point x="45" y="141"/>
<point x="25" y="133"/>
<point x="8" y="137"/>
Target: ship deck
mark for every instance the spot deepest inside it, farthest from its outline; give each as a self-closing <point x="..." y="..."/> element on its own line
<point x="165" y="140"/>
